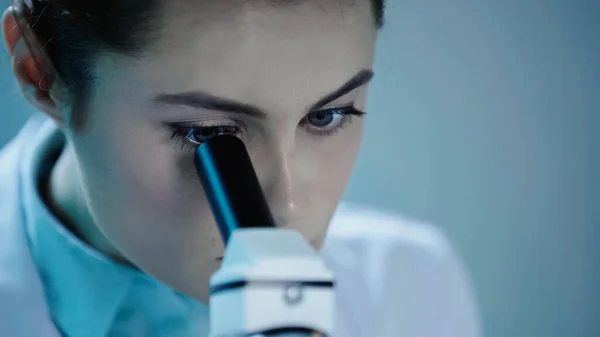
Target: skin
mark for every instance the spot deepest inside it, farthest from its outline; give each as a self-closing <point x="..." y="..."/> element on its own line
<point x="130" y="191"/>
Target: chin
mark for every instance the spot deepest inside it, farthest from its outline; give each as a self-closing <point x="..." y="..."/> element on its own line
<point x="317" y="244"/>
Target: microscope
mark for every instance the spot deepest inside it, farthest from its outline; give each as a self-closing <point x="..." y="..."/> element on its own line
<point x="271" y="281"/>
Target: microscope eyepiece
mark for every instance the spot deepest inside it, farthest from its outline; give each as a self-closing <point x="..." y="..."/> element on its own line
<point x="231" y="185"/>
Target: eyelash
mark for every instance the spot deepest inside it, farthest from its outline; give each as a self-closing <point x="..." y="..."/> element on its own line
<point x="181" y="132"/>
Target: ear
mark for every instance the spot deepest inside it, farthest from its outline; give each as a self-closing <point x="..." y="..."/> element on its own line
<point x="37" y="81"/>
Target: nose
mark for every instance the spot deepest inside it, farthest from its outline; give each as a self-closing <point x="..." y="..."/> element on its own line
<point x="285" y="190"/>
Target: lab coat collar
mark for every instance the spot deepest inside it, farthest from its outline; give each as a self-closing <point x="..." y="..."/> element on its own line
<point x="23" y="309"/>
<point x="75" y="275"/>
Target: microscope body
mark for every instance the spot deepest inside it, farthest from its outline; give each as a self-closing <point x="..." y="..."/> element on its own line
<point x="271" y="283"/>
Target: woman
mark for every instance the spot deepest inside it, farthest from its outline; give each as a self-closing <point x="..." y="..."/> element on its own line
<point x="105" y="230"/>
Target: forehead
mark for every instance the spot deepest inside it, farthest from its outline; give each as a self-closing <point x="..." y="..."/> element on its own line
<point x="258" y="52"/>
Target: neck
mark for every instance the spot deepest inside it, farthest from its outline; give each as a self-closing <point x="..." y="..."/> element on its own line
<point x="64" y="194"/>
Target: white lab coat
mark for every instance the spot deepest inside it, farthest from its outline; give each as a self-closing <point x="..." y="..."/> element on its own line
<point x="396" y="277"/>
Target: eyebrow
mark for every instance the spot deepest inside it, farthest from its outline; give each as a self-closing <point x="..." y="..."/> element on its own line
<point x="203" y="100"/>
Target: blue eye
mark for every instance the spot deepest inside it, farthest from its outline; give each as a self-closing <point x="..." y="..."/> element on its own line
<point x="320" y="119"/>
<point x="324" y="122"/>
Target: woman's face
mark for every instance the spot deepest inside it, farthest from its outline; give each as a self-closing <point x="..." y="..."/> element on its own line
<point x="256" y="69"/>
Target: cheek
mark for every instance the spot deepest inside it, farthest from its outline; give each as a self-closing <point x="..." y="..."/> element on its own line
<point x="332" y="160"/>
<point x="137" y="168"/>
<point x="348" y="146"/>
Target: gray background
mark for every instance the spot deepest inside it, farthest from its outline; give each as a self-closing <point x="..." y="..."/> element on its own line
<point x="483" y="120"/>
